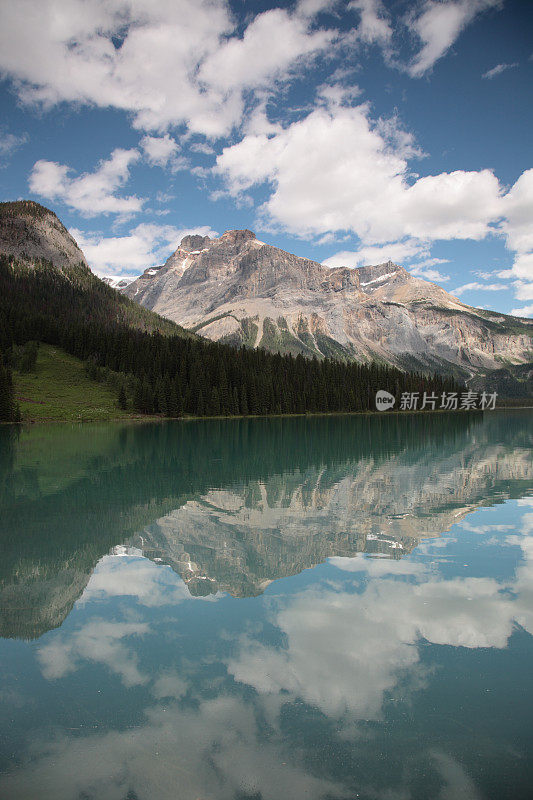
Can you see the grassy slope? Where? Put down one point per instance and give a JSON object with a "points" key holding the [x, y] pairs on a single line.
{"points": [[59, 389]]}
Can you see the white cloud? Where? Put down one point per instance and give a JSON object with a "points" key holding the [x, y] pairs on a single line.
{"points": [[366, 639], [334, 170], [9, 142], [374, 25], [476, 286], [338, 171], [398, 252], [458, 785], [202, 147], [523, 290], [522, 267], [424, 269], [438, 25], [146, 245], [164, 197], [525, 311], [310, 8], [135, 577], [497, 70], [518, 211], [92, 193], [273, 42], [169, 684], [377, 567], [218, 749], [178, 62], [160, 150], [100, 641]]}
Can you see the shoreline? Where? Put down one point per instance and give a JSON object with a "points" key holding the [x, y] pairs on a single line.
{"points": [[159, 418]]}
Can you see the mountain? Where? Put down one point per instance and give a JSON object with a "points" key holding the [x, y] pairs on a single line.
{"points": [[48, 294], [239, 290], [35, 244], [513, 381], [240, 539], [30, 232], [234, 505]]}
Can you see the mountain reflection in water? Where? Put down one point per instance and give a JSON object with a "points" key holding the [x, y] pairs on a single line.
{"points": [[327, 608], [233, 505]]}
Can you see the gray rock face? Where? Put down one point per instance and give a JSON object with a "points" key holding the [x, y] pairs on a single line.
{"points": [[241, 538], [30, 232], [240, 290]]}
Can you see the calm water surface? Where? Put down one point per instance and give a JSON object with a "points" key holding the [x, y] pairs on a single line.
{"points": [[268, 609]]}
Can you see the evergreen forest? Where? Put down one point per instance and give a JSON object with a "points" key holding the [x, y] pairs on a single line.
{"points": [[156, 367]]}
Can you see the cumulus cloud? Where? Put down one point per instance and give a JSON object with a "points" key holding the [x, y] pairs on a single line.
{"points": [[310, 8], [374, 25], [162, 151], [338, 171], [404, 252], [100, 641], [497, 70], [273, 42], [366, 639], [335, 170], [91, 193], [202, 147], [437, 25], [134, 577], [518, 209], [377, 567], [167, 63], [518, 213], [146, 245]]}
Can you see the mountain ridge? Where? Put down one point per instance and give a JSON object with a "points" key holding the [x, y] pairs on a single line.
{"points": [[239, 290], [154, 365]]}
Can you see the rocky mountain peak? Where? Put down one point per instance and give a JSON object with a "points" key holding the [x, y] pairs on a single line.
{"points": [[381, 271], [238, 237], [239, 290], [194, 242], [30, 232]]}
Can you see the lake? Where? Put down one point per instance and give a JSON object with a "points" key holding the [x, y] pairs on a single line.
{"points": [[268, 609]]}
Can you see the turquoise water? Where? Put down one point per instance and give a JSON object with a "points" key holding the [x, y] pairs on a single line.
{"points": [[263, 609]]}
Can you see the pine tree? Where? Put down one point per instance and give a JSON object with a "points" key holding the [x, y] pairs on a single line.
{"points": [[8, 408], [122, 398]]}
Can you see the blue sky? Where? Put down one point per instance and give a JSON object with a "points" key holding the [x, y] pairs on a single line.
{"points": [[349, 132]]}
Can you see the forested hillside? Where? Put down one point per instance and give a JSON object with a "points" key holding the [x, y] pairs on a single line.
{"points": [[168, 371]]}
